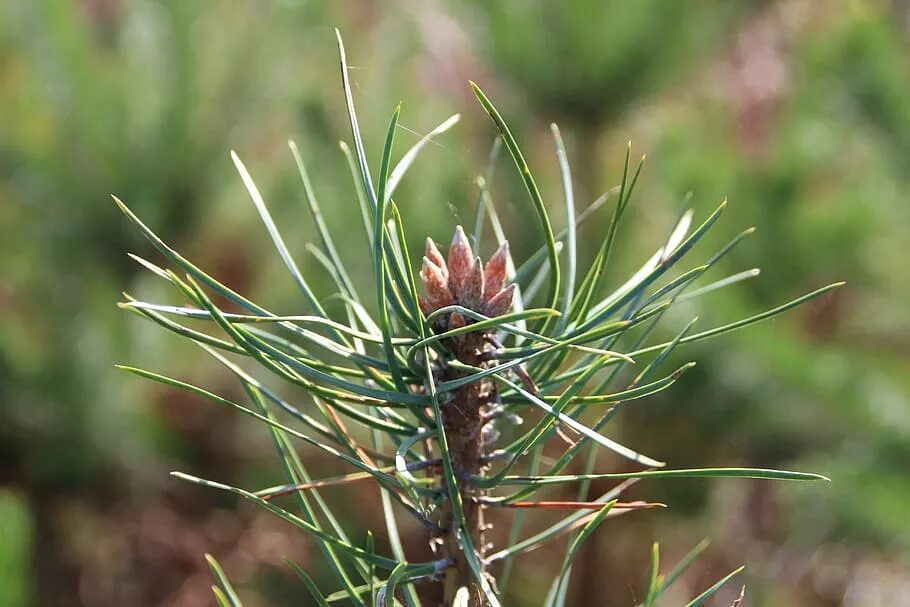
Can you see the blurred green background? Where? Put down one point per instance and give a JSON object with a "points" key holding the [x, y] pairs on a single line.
{"points": [[798, 110]]}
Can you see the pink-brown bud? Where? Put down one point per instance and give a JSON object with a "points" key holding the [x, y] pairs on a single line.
{"points": [[432, 253], [500, 303], [435, 285], [461, 261], [494, 276], [425, 306], [471, 295], [456, 321]]}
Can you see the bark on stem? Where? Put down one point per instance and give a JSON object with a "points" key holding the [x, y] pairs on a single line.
{"points": [[463, 418]]}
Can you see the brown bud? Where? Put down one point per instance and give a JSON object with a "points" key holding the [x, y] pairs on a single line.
{"points": [[494, 276], [432, 253], [425, 306], [471, 295], [461, 261], [500, 303], [456, 321], [435, 285]]}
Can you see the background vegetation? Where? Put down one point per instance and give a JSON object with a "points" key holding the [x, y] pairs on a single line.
{"points": [[797, 110]]}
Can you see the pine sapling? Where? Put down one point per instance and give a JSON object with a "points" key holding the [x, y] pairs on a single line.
{"points": [[445, 390]]}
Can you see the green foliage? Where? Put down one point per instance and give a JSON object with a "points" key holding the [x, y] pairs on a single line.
{"points": [[16, 549], [594, 62]]}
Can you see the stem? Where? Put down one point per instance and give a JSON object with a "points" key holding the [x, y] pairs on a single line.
{"points": [[464, 417]]}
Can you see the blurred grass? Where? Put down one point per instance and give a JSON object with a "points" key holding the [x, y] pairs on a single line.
{"points": [[795, 110], [15, 550]]}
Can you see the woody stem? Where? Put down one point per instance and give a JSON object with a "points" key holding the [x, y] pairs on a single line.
{"points": [[463, 419]]}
